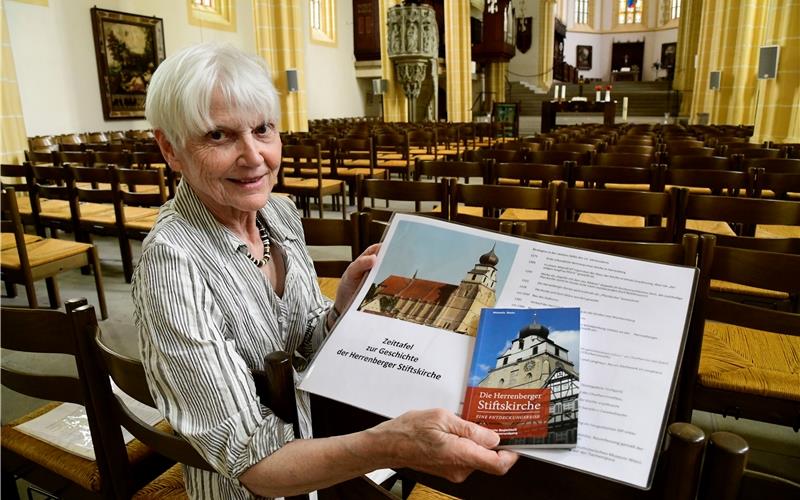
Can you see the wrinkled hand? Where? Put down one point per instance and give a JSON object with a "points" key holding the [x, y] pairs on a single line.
{"points": [[353, 274], [440, 443]]}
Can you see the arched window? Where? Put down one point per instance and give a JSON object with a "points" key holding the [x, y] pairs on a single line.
{"points": [[630, 11], [215, 14], [322, 20], [581, 11]]}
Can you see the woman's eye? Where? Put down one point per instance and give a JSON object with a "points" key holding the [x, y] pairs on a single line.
{"points": [[262, 129], [216, 135]]}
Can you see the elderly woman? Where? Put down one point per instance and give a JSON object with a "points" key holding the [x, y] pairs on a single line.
{"points": [[224, 278]]}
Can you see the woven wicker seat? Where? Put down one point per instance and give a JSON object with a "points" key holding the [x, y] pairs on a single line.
{"points": [[741, 359]]}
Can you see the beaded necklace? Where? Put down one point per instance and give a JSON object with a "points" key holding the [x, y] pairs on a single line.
{"points": [[262, 232]]}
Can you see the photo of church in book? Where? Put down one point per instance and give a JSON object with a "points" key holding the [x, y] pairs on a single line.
{"points": [[534, 361], [455, 307]]}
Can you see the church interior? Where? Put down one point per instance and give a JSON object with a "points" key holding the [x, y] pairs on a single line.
{"points": [[664, 130]]}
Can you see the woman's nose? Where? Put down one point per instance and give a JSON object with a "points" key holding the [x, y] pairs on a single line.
{"points": [[249, 153]]}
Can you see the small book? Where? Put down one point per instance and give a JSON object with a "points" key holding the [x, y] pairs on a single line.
{"points": [[523, 380]]}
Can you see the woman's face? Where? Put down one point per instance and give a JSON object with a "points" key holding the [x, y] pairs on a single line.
{"points": [[234, 166]]}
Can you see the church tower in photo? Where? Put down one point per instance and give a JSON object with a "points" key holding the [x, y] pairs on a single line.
{"points": [[476, 291], [442, 305]]}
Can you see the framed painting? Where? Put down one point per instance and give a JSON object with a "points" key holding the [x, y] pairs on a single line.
{"points": [[583, 59], [129, 48], [668, 51]]}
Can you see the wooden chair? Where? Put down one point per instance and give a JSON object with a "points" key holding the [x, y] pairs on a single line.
{"points": [[28, 258], [42, 157], [587, 150], [52, 194], [751, 218], [355, 157], [391, 152], [624, 160], [332, 235], [45, 465], [536, 207], [422, 144], [139, 194], [710, 181], [297, 157], [101, 364], [749, 359], [412, 193], [617, 214], [683, 143], [99, 210], [725, 475], [701, 162]]}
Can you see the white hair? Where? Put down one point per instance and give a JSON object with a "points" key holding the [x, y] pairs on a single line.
{"points": [[181, 89]]}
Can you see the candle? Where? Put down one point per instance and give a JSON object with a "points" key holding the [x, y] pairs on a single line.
{"points": [[608, 96], [563, 91], [624, 109], [597, 96]]}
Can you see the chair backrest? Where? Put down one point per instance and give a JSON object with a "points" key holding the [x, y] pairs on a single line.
{"points": [[130, 181], [22, 174], [652, 207], [122, 159], [355, 149], [632, 149], [554, 156], [493, 198], [404, 191], [101, 364], [84, 158], [526, 172], [333, 232], [730, 182], [648, 177], [624, 160], [454, 169], [747, 213], [301, 156], [42, 157], [700, 162]]}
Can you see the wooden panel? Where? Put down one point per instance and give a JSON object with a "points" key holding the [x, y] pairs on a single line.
{"points": [[496, 44]]}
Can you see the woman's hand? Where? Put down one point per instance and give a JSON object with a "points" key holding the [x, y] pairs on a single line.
{"points": [[353, 275], [440, 443]]}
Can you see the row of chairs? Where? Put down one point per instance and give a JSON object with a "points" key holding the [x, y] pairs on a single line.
{"points": [[56, 142], [110, 201], [689, 463], [559, 208]]}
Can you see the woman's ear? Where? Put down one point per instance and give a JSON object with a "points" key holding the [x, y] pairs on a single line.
{"points": [[168, 150]]}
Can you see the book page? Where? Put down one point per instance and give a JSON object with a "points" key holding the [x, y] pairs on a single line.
{"points": [[633, 316], [406, 340], [67, 427]]}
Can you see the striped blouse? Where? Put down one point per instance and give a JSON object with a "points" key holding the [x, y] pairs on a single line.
{"points": [[206, 316]]}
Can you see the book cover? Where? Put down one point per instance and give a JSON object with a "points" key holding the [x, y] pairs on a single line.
{"points": [[523, 381]]}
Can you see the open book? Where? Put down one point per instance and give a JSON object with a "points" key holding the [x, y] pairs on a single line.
{"points": [[406, 341]]}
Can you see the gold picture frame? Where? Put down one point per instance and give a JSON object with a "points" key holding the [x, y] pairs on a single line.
{"points": [[129, 48]]}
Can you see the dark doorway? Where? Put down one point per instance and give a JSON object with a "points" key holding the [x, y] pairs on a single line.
{"points": [[628, 55]]}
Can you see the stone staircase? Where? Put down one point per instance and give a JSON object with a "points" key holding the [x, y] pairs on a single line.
{"points": [[644, 98]]}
